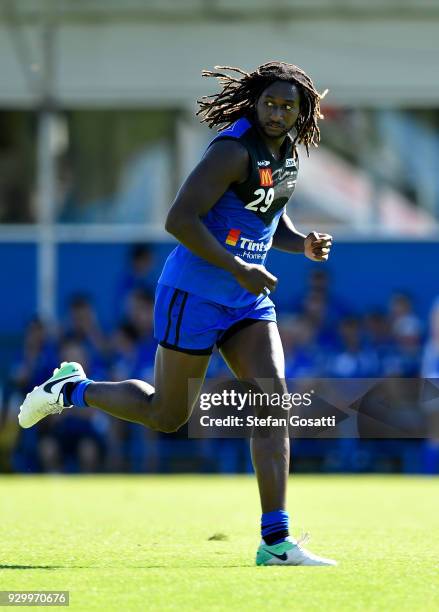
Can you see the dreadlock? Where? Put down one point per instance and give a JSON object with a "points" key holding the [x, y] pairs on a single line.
{"points": [[240, 94]]}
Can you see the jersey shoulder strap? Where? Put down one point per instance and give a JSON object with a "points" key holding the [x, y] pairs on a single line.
{"points": [[234, 131]]}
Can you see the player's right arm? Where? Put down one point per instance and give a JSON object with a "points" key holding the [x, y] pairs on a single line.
{"points": [[224, 163]]}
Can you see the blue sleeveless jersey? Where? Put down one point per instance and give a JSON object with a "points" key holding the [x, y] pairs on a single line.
{"points": [[243, 220]]}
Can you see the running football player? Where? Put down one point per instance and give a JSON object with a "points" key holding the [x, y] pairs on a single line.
{"points": [[214, 286]]}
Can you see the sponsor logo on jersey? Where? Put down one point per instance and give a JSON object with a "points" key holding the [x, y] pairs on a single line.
{"points": [[232, 237], [253, 249], [282, 174], [289, 163], [263, 163], [266, 177], [254, 245]]}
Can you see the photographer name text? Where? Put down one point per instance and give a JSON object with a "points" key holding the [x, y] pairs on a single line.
{"points": [[269, 421]]}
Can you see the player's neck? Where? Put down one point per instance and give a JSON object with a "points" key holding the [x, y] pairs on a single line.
{"points": [[274, 145]]}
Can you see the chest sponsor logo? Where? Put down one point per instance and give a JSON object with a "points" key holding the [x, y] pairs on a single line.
{"points": [[266, 178], [232, 237], [289, 163], [282, 174], [264, 163], [254, 245], [253, 249]]}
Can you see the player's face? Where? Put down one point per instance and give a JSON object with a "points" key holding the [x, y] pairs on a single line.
{"points": [[277, 109]]}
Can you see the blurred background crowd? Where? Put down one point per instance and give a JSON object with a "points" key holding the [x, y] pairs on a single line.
{"points": [[322, 338]]}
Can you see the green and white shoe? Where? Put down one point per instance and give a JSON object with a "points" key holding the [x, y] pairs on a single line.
{"points": [[48, 397], [289, 552]]}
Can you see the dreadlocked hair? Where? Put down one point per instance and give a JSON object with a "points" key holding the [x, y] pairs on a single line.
{"points": [[239, 95]]}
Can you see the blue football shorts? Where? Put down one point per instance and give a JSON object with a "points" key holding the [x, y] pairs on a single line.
{"points": [[188, 323]]}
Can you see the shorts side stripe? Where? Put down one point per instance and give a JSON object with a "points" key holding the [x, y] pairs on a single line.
{"points": [[171, 304], [180, 316]]}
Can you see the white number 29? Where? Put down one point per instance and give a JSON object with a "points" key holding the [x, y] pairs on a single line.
{"points": [[262, 196]]}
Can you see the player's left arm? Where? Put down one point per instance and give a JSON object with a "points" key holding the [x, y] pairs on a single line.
{"points": [[315, 246]]}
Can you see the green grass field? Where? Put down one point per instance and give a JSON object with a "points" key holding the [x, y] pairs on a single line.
{"points": [[142, 543]]}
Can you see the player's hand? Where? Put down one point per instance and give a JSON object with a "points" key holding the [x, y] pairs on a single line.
{"points": [[318, 246], [254, 277]]}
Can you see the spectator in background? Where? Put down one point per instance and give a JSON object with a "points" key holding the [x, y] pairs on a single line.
{"points": [[140, 318], [83, 326], [126, 439], [404, 361], [134, 448], [353, 359], [137, 277], [319, 281], [32, 363], [319, 302], [324, 316], [401, 312], [315, 310], [303, 356], [378, 336], [125, 353]]}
